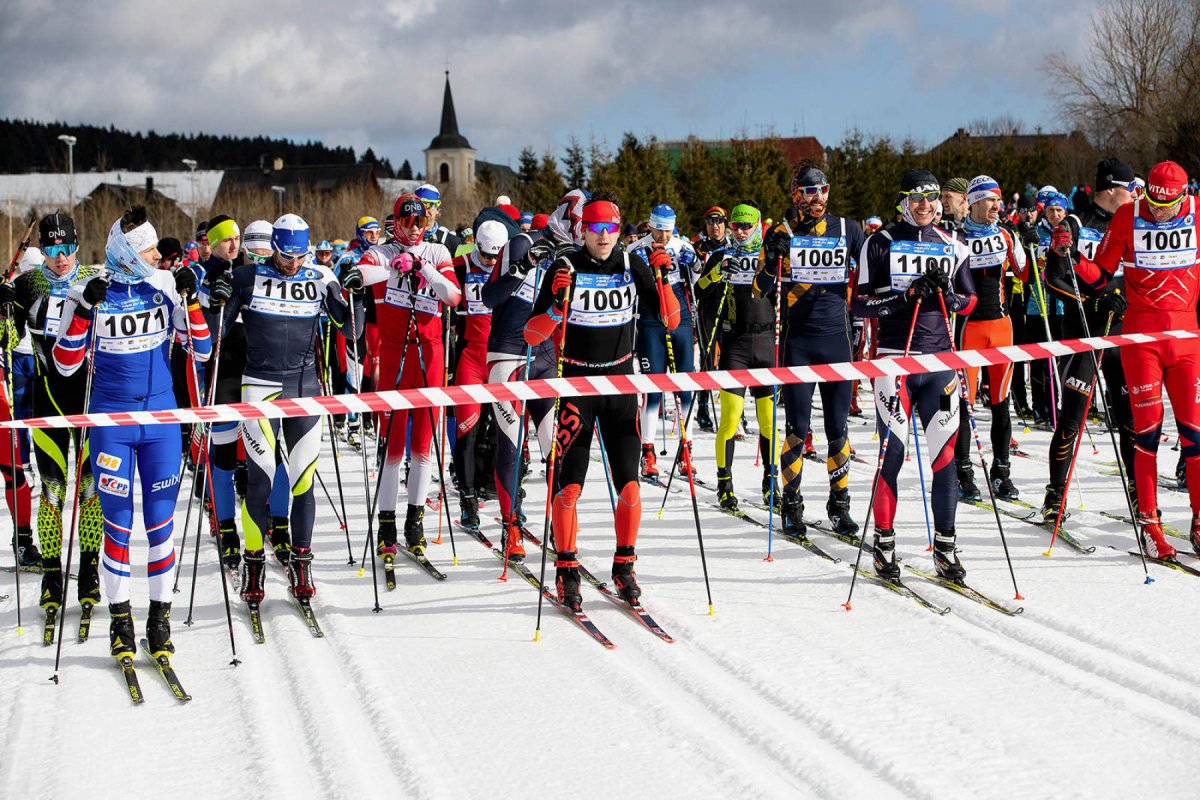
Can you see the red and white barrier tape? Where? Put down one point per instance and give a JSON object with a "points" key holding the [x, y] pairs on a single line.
{"points": [[406, 399]]}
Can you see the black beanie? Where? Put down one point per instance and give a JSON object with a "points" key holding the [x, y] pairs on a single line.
{"points": [[1112, 172], [169, 248], [57, 228]]}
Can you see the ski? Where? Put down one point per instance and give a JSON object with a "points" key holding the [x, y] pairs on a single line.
{"points": [[132, 684], [965, 591], [424, 563], [49, 626], [824, 527], [310, 618], [578, 617], [635, 610], [256, 626], [660, 483], [808, 544], [1169, 562], [1169, 530], [85, 622], [389, 571], [528, 536], [163, 662], [475, 533], [904, 590], [1032, 517]]}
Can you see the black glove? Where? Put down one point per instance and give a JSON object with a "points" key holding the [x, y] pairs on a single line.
{"points": [[921, 289], [539, 251], [185, 282], [778, 247], [94, 291], [564, 250], [938, 277], [352, 279], [1112, 303], [220, 288], [7, 294]]}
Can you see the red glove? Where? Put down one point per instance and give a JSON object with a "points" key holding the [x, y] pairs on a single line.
{"points": [[562, 280], [1060, 240], [660, 260]]}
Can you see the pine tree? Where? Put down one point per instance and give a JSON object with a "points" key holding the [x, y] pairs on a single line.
{"points": [[698, 176], [575, 164]]}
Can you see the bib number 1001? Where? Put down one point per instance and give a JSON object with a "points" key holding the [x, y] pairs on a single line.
{"points": [[604, 299]]}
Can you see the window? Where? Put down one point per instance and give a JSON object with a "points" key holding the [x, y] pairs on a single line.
{"points": [[444, 172]]}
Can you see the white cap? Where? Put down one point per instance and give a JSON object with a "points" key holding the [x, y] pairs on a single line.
{"points": [[31, 259], [257, 235], [491, 237], [503, 200]]}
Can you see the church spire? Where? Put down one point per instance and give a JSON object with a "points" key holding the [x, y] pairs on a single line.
{"points": [[448, 137]]}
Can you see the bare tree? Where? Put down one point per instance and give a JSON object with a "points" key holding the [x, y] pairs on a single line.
{"points": [[1130, 92], [1004, 125]]}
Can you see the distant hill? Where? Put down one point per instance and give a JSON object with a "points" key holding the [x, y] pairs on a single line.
{"points": [[27, 146]]}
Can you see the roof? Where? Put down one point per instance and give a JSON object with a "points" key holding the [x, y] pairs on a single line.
{"points": [[1021, 142], [448, 137], [321, 177], [795, 148]]}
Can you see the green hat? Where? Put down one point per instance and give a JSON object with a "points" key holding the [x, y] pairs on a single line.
{"points": [[959, 185], [745, 213]]}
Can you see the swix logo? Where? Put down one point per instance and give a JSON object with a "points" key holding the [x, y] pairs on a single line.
{"points": [[1078, 385], [158, 486], [1196, 388], [106, 461], [115, 485]]}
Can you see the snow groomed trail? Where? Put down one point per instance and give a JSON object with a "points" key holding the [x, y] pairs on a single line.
{"points": [[781, 694]]}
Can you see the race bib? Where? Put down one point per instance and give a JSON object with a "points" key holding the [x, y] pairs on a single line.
{"points": [[910, 259], [1089, 240], [403, 298], [818, 259], [988, 251], [54, 307], [474, 294], [740, 268], [527, 291], [602, 301], [298, 296], [132, 331], [1171, 245]]}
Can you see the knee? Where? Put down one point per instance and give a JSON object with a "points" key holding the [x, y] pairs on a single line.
{"points": [[568, 496]]}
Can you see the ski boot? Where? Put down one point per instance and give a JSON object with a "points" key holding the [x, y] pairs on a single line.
{"points": [[387, 535], [254, 574], [649, 468], [414, 530], [281, 539], [300, 572], [1051, 504], [837, 508], [771, 488], [1154, 541], [511, 543], [89, 578], [945, 559], [623, 575], [231, 546], [704, 419], [1195, 534], [725, 494], [158, 629], [855, 408], [1002, 485], [884, 554], [967, 490], [686, 465], [352, 438], [809, 450], [28, 557], [742, 430], [122, 640], [52, 583], [566, 580], [469, 506], [792, 514]]}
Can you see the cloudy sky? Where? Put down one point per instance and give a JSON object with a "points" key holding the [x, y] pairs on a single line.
{"points": [[530, 72]]}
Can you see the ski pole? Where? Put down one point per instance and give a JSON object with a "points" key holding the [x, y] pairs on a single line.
{"points": [[324, 378], [9, 330], [608, 481], [447, 359], [362, 433], [924, 496], [1039, 295], [438, 453], [332, 506], [772, 465], [893, 401]]}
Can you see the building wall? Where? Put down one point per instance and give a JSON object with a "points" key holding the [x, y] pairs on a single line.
{"points": [[458, 163]]}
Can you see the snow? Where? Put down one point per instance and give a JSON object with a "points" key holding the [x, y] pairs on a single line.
{"points": [[782, 693], [43, 191]]}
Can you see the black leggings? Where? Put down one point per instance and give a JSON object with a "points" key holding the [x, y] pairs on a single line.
{"points": [[797, 404], [1078, 375]]}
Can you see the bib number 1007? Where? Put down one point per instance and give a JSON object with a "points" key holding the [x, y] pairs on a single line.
{"points": [[910, 259]]}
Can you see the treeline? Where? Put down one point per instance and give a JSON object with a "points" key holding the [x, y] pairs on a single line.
{"points": [[28, 146]]}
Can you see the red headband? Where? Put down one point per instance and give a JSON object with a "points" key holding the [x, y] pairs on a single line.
{"points": [[601, 211]]}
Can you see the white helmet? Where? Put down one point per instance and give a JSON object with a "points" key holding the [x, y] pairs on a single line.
{"points": [[491, 238]]}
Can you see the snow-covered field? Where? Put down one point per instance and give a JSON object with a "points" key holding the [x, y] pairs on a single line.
{"points": [[1090, 693]]}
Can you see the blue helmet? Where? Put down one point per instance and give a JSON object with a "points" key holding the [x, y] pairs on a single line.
{"points": [[324, 246], [662, 218], [428, 193], [289, 236]]}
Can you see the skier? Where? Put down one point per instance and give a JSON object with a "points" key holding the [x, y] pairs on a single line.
{"points": [[713, 239], [280, 303], [134, 308], [1156, 242], [747, 341], [815, 252], [653, 347], [604, 285], [39, 296], [406, 274], [994, 254], [431, 198], [903, 268]]}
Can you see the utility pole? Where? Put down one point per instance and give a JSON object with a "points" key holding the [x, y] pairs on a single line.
{"points": [[69, 141]]}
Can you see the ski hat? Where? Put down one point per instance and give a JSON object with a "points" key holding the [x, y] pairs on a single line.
{"points": [[202, 232], [289, 236], [409, 207], [1026, 203], [491, 238], [1166, 184], [222, 228], [503, 200], [428, 193], [123, 250], [1055, 199], [169, 247], [876, 221], [510, 209], [324, 246], [662, 218], [30, 259], [539, 221], [526, 218], [716, 211], [956, 185], [257, 236], [981, 188], [1045, 192], [806, 175], [57, 228], [566, 223], [1113, 172], [919, 180], [601, 211], [744, 212]]}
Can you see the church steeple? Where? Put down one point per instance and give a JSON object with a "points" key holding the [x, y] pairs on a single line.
{"points": [[448, 137]]}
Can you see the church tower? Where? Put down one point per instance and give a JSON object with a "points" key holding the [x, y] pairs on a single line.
{"points": [[450, 159]]}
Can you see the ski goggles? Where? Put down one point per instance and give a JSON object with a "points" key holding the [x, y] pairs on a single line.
{"points": [[604, 227], [931, 196], [743, 226], [58, 250], [409, 222], [814, 191], [1165, 203]]}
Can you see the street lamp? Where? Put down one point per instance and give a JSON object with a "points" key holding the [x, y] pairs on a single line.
{"points": [[280, 191], [69, 141], [190, 163]]}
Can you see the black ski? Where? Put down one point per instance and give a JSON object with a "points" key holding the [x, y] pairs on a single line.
{"points": [[1169, 562], [824, 527], [256, 626], [528, 536], [1169, 530], [1033, 517], [662, 484], [389, 571], [965, 591], [125, 662], [424, 563], [578, 617], [163, 662], [310, 618], [903, 590], [808, 544], [49, 625], [85, 622]]}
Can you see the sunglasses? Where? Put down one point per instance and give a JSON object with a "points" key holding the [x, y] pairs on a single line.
{"points": [[716, 220], [743, 226], [56, 250], [604, 227], [928, 197], [813, 191], [409, 222]]}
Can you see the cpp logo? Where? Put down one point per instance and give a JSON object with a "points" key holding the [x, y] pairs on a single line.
{"points": [[115, 485]]}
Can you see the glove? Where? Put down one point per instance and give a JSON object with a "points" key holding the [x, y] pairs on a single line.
{"points": [[564, 250], [185, 282], [7, 293], [920, 290], [94, 291], [938, 277], [1112, 303], [220, 288], [538, 252], [1029, 235], [405, 263], [778, 247], [561, 281], [660, 261], [1060, 240], [352, 279]]}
